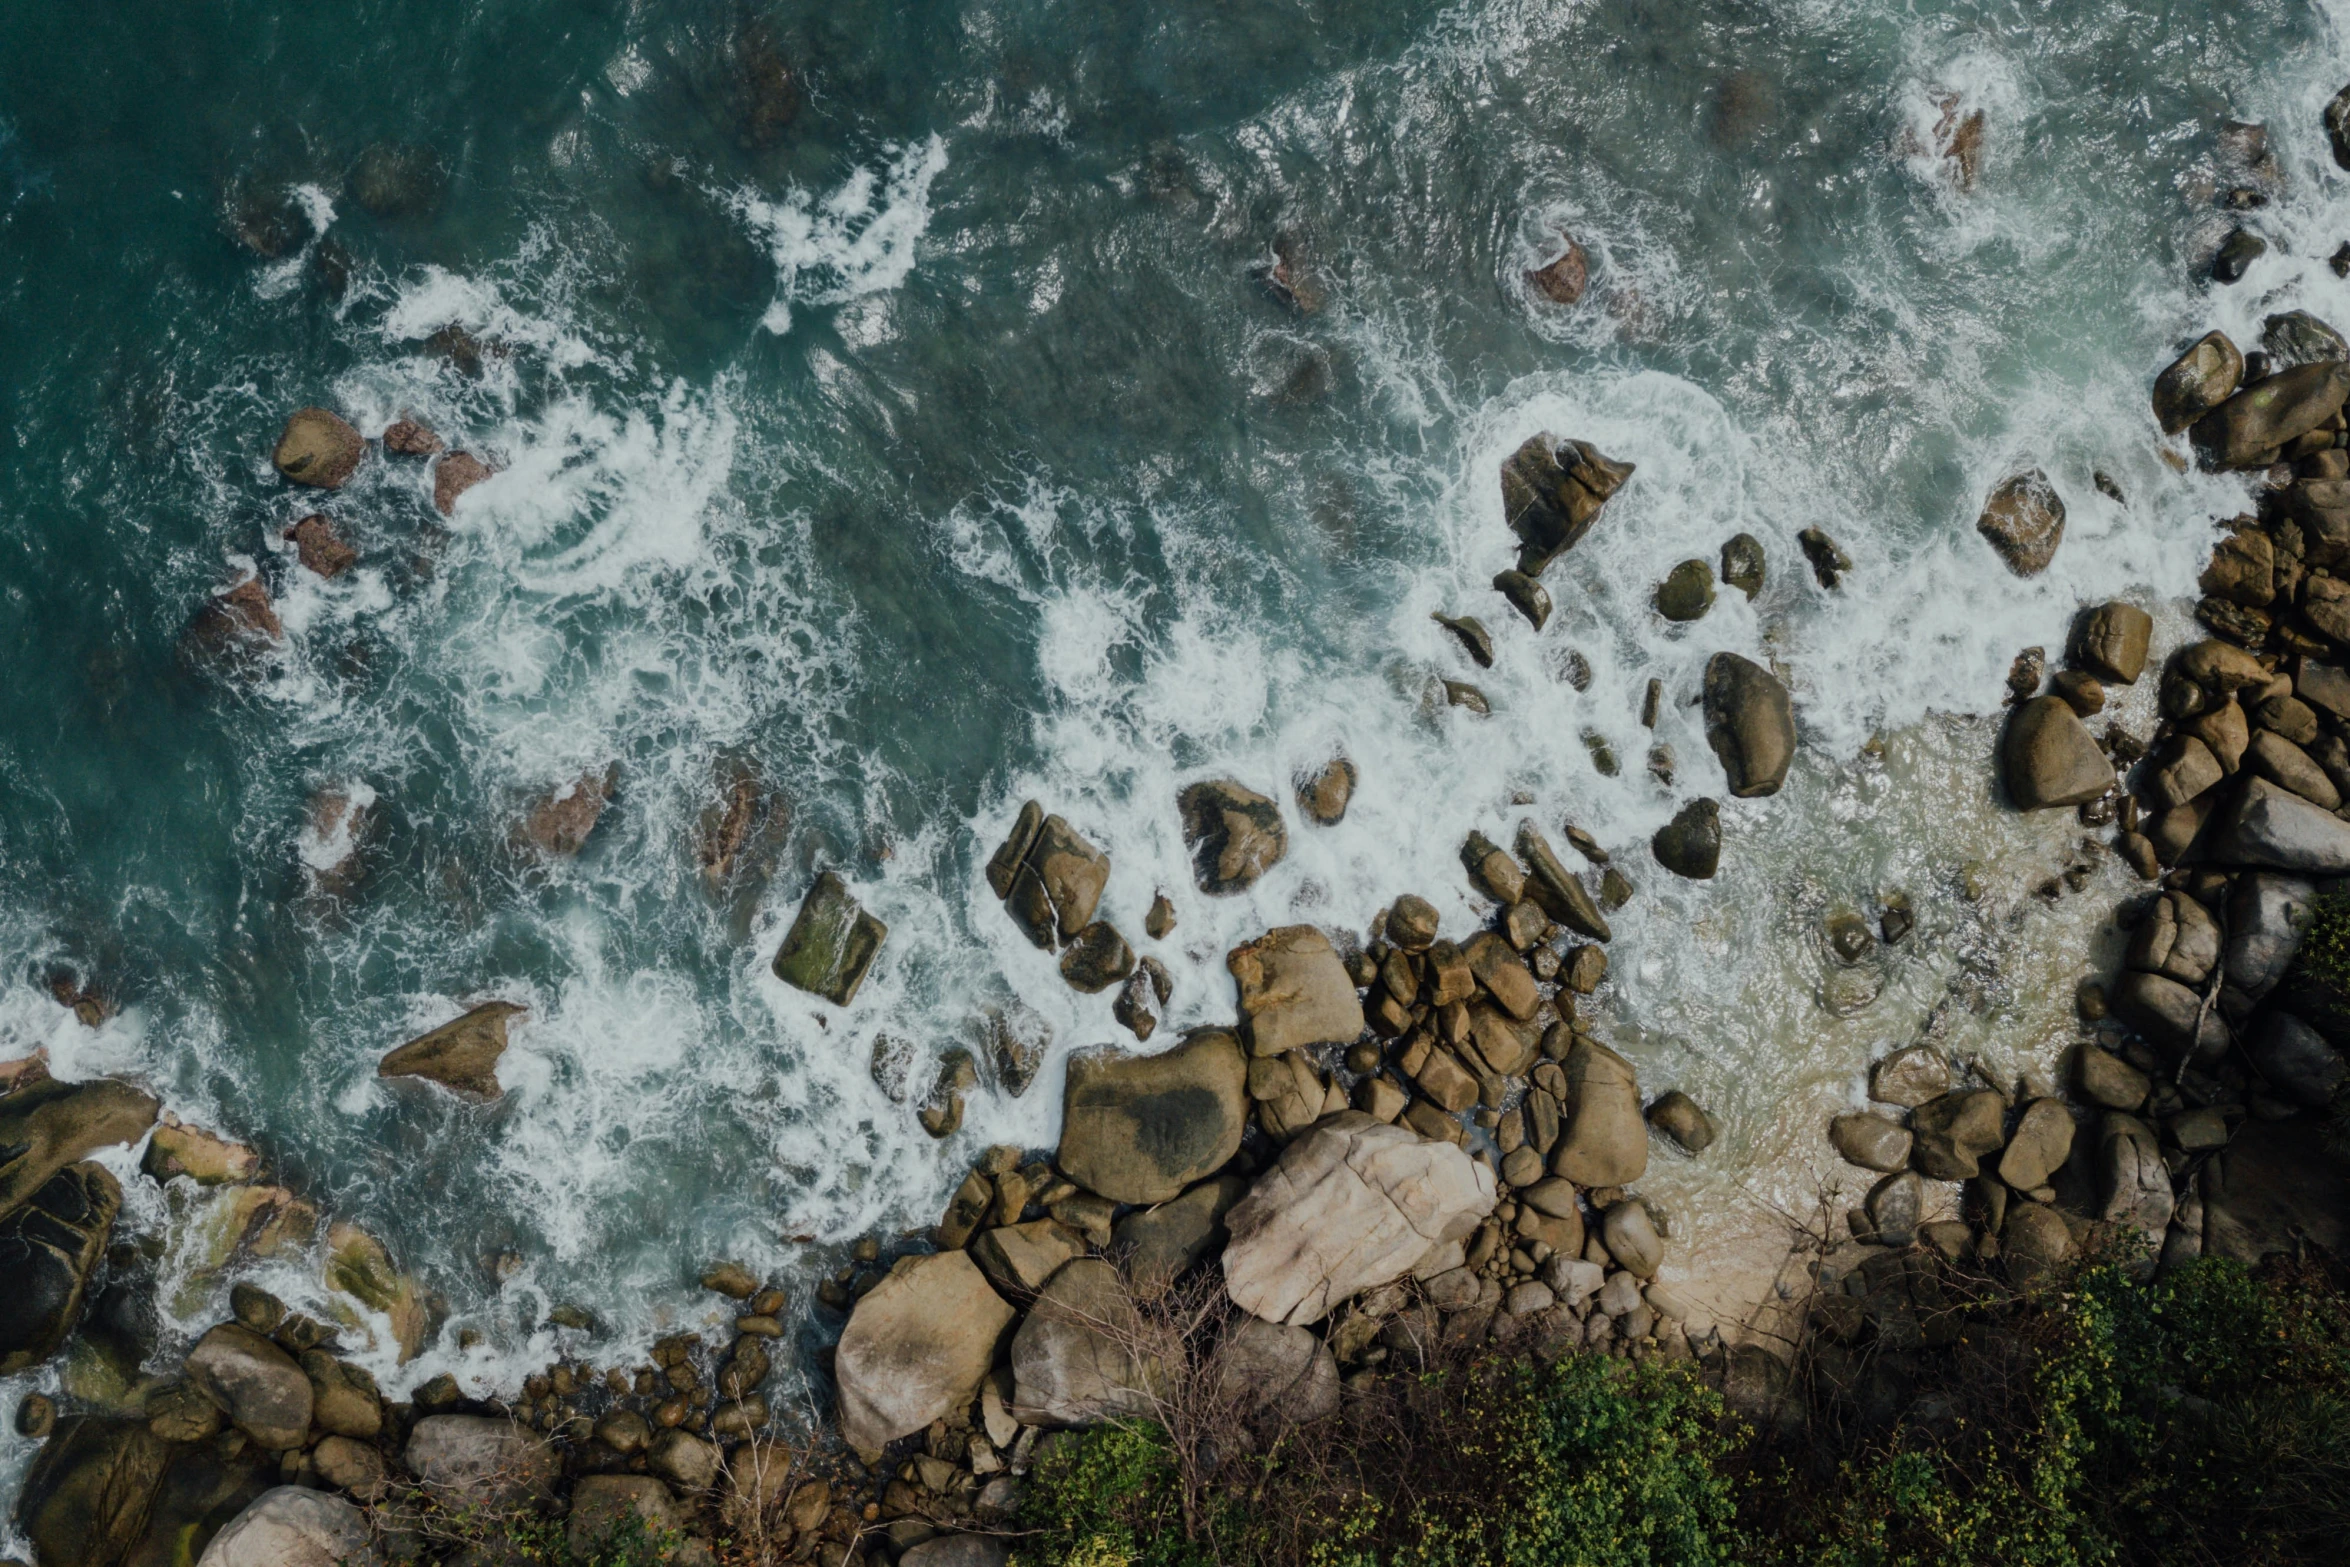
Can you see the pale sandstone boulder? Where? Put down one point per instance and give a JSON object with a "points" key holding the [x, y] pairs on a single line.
{"points": [[294, 1527], [480, 1461], [1604, 1139], [916, 1347], [1075, 1360], [1294, 991]]}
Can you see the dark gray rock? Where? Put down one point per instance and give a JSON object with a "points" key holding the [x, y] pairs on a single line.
{"points": [[2165, 1012], [48, 1248], [1750, 723], [1691, 843], [2267, 912], [2273, 828], [2296, 1060]]}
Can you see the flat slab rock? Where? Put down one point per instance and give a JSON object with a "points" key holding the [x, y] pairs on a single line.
{"points": [[1351, 1204], [831, 944]]}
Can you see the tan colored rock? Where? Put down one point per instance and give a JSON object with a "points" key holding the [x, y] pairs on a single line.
{"points": [[357, 1265], [1325, 793], [461, 1055], [916, 1348], [255, 1383], [177, 1149], [1604, 1141], [452, 476], [1142, 1128], [318, 448], [2111, 641], [2049, 759], [1294, 991], [2042, 1140], [2024, 522], [1074, 1359]]}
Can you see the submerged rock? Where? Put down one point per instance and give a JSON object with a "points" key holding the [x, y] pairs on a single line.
{"points": [[234, 625], [1690, 844], [1235, 835], [397, 180], [461, 1055], [318, 448], [47, 1125], [1049, 877], [1750, 723], [48, 1249], [452, 476], [558, 823], [2024, 522], [1562, 279], [831, 944], [1141, 1129]]}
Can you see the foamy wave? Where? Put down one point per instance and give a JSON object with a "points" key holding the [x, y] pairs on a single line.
{"points": [[859, 240]]}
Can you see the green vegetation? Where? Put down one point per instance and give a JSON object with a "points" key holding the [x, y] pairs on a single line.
{"points": [[2199, 1418]]}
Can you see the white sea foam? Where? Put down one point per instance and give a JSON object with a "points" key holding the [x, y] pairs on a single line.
{"points": [[858, 240]]}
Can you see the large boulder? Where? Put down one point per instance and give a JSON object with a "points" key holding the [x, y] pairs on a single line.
{"points": [[204, 1489], [2275, 1189], [87, 1496], [1277, 1369], [1160, 1244], [2035, 1243], [2042, 1140], [1294, 991], [1950, 1136], [2172, 1016], [2177, 939], [2024, 522], [2295, 1060], [359, 1265], [1019, 1258], [318, 448], [604, 1506], [831, 943], [461, 1055], [2132, 1181], [1234, 834], [2049, 758], [256, 1384], [1603, 1138], [1049, 877], [2110, 641], [1690, 845], [2198, 381], [1141, 1128], [1551, 493], [48, 1248], [1871, 1141], [1750, 723], [478, 1461], [48, 1125], [295, 1527], [1351, 1204], [2276, 829], [1077, 1359], [2246, 430], [2266, 914], [916, 1348]]}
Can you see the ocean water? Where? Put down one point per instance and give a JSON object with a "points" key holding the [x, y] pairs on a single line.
{"points": [[887, 399]]}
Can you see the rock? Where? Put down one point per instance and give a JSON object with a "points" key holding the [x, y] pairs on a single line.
{"points": [[48, 1125], [49, 1245], [2279, 760], [1459, 693], [1951, 1135], [1097, 958], [1681, 1118], [1412, 923], [2236, 254], [2049, 759], [2081, 691], [1050, 878], [1551, 493], [2266, 915], [177, 1150], [1141, 1129], [479, 1461], [2337, 124], [1894, 1206], [1160, 1244], [603, 1504], [2165, 1011], [2177, 939], [2024, 522], [357, 1265], [1556, 890], [2133, 1181], [461, 1055], [2042, 1140], [684, 1460], [2247, 429], [294, 1527], [1350, 1205], [1828, 562], [2186, 770], [2198, 381], [2104, 1078], [36, 1415], [318, 449], [1294, 991], [1602, 1140], [397, 180], [2035, 1243], [452, 476], [1742, 563], [1910, 1077], [1234, 834], [2111, 641], [1526, 596], [1870, 1141], [831, 944], [916, 1347], [1019, 1258], [1074, 1360], [2296, 1061], [255, 1383], [407, 438], [2274, 1189], [1324, 795], [1563, 279], [2296, 337], [1687, 591], [1161, 918], [1502, 975], [1630, 1237], [1690, 844], [1472, 636], [344, 1400], [86, 1498], [1750, 724], [2274, 828], [320, 547]]}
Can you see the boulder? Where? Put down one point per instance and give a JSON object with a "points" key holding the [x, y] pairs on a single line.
{"points": [[1276, 1369], [1870, 1141], [916, 1348], [255, 1383], [2133, 1182], [407, 438], [344, 1400], [318, 448], [1557, 891], [177, 1149], [2042, 1141], [1829, 563], [1294, 991], [48, 1249], [1563, 279], [2273, 828], [452, 476], [1351, 1204], [2111, 641], [1750, 723], [320, 546], [47, 1125], [1687, 591], [1690, 845], [831, 944], [2185, 770], [1019, 1258], [2024, 522], [358, 1265], [2280, 761], [1742, 563], [204, 1490], [2337, 124], [1603, 1141], [1140, 1129], [2198, 381], [1527, 596], [2165, 1011], [2246, 430], [1950, 1136], [295, 1527], [1076, 1360], [2035, 1243], [1049, 877], [2266, 914], [958, 1550], [2295, 337], [1234, 834], [1909, 1077], [2048, 757], [2295, 1060], [1097, 958], [683, 1459], [1160, 1244], [2106, 1080], [1682, 1119], [1894, 1205], [603, 1504], [2177, 939], [1630, 1237], [87, 1497], [353, 1466], [1325, 793], [1551, 493], [461, 1055], [479, 1461]]}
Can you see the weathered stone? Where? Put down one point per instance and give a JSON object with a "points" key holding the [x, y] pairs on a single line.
{"points": [[295, 1527], [1096, 958], [1742, 563], [1558, 891], [1894, 1206], [1294, 991], [2279, 760], [1687, 591], [1909, 1077], [2042, 1140], [358, 1265], [47, 1125], [407, 438], [2165, 1011], [2274, 828], [2242, 569], [1471, 634], [2133, 1181], [1551, 493], [318, 448], [603, 1505], [2111, 640], [2246, 429], [2024, 522], [1828, 561], [2198, 381], [684, 1460], [87, 1496], [320, 546], [452, 476], [2035, 1244], [461, 1055], [177, 1150], [831, 944], [1563, 279], [1019, 1258], [2177, 939], [1073, 1359], [1750, 723], [2266, 915], [916, 1347], [2049, 759], [1682, 1119], [1057, 885], [1870, 1141], [1235, 835], [1162, 1243], [344, 1400], [2295, 337], [1140, 1129], [1630, 1237], [1604, 1141], [2296, 1061], [255, 1383], [1951, 1135], [2186, 769], [1350, 1205], [478, 1461], [1489, 866], [48, 1247], [2105, 1079], [1526, 595], [1325, 793], [1690, 845]]}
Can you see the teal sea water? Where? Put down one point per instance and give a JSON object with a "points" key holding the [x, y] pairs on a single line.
{"points": [[890, 398]]}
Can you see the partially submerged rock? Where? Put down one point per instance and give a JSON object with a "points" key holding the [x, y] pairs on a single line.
{"points": [[1049, 877], [2198, 381], [2024, 522], [558, 822], [452, 476], [1325, 793], [1564, 277], [1750, 723], [916, 1348], [320, 545], [48, 1125], [177, 1149], [831, 944], [1551, 493], [1603, 1141], [461, 1055], [1690, 845], [2246, 430], [318, 448], [1235, 835], [1140, 1129]]}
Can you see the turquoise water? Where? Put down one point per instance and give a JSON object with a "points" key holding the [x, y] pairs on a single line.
{"points": [[922, 432]]}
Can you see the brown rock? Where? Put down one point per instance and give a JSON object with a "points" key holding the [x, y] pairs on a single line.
{"points": [[1294, 991], [318, 448], [1325, 794], [1563, 279], [2111, 639], [2024, 521], [320, 547], [1235, 835], [461, 1055], [452, 476], [558, 823], [407, 438]]}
